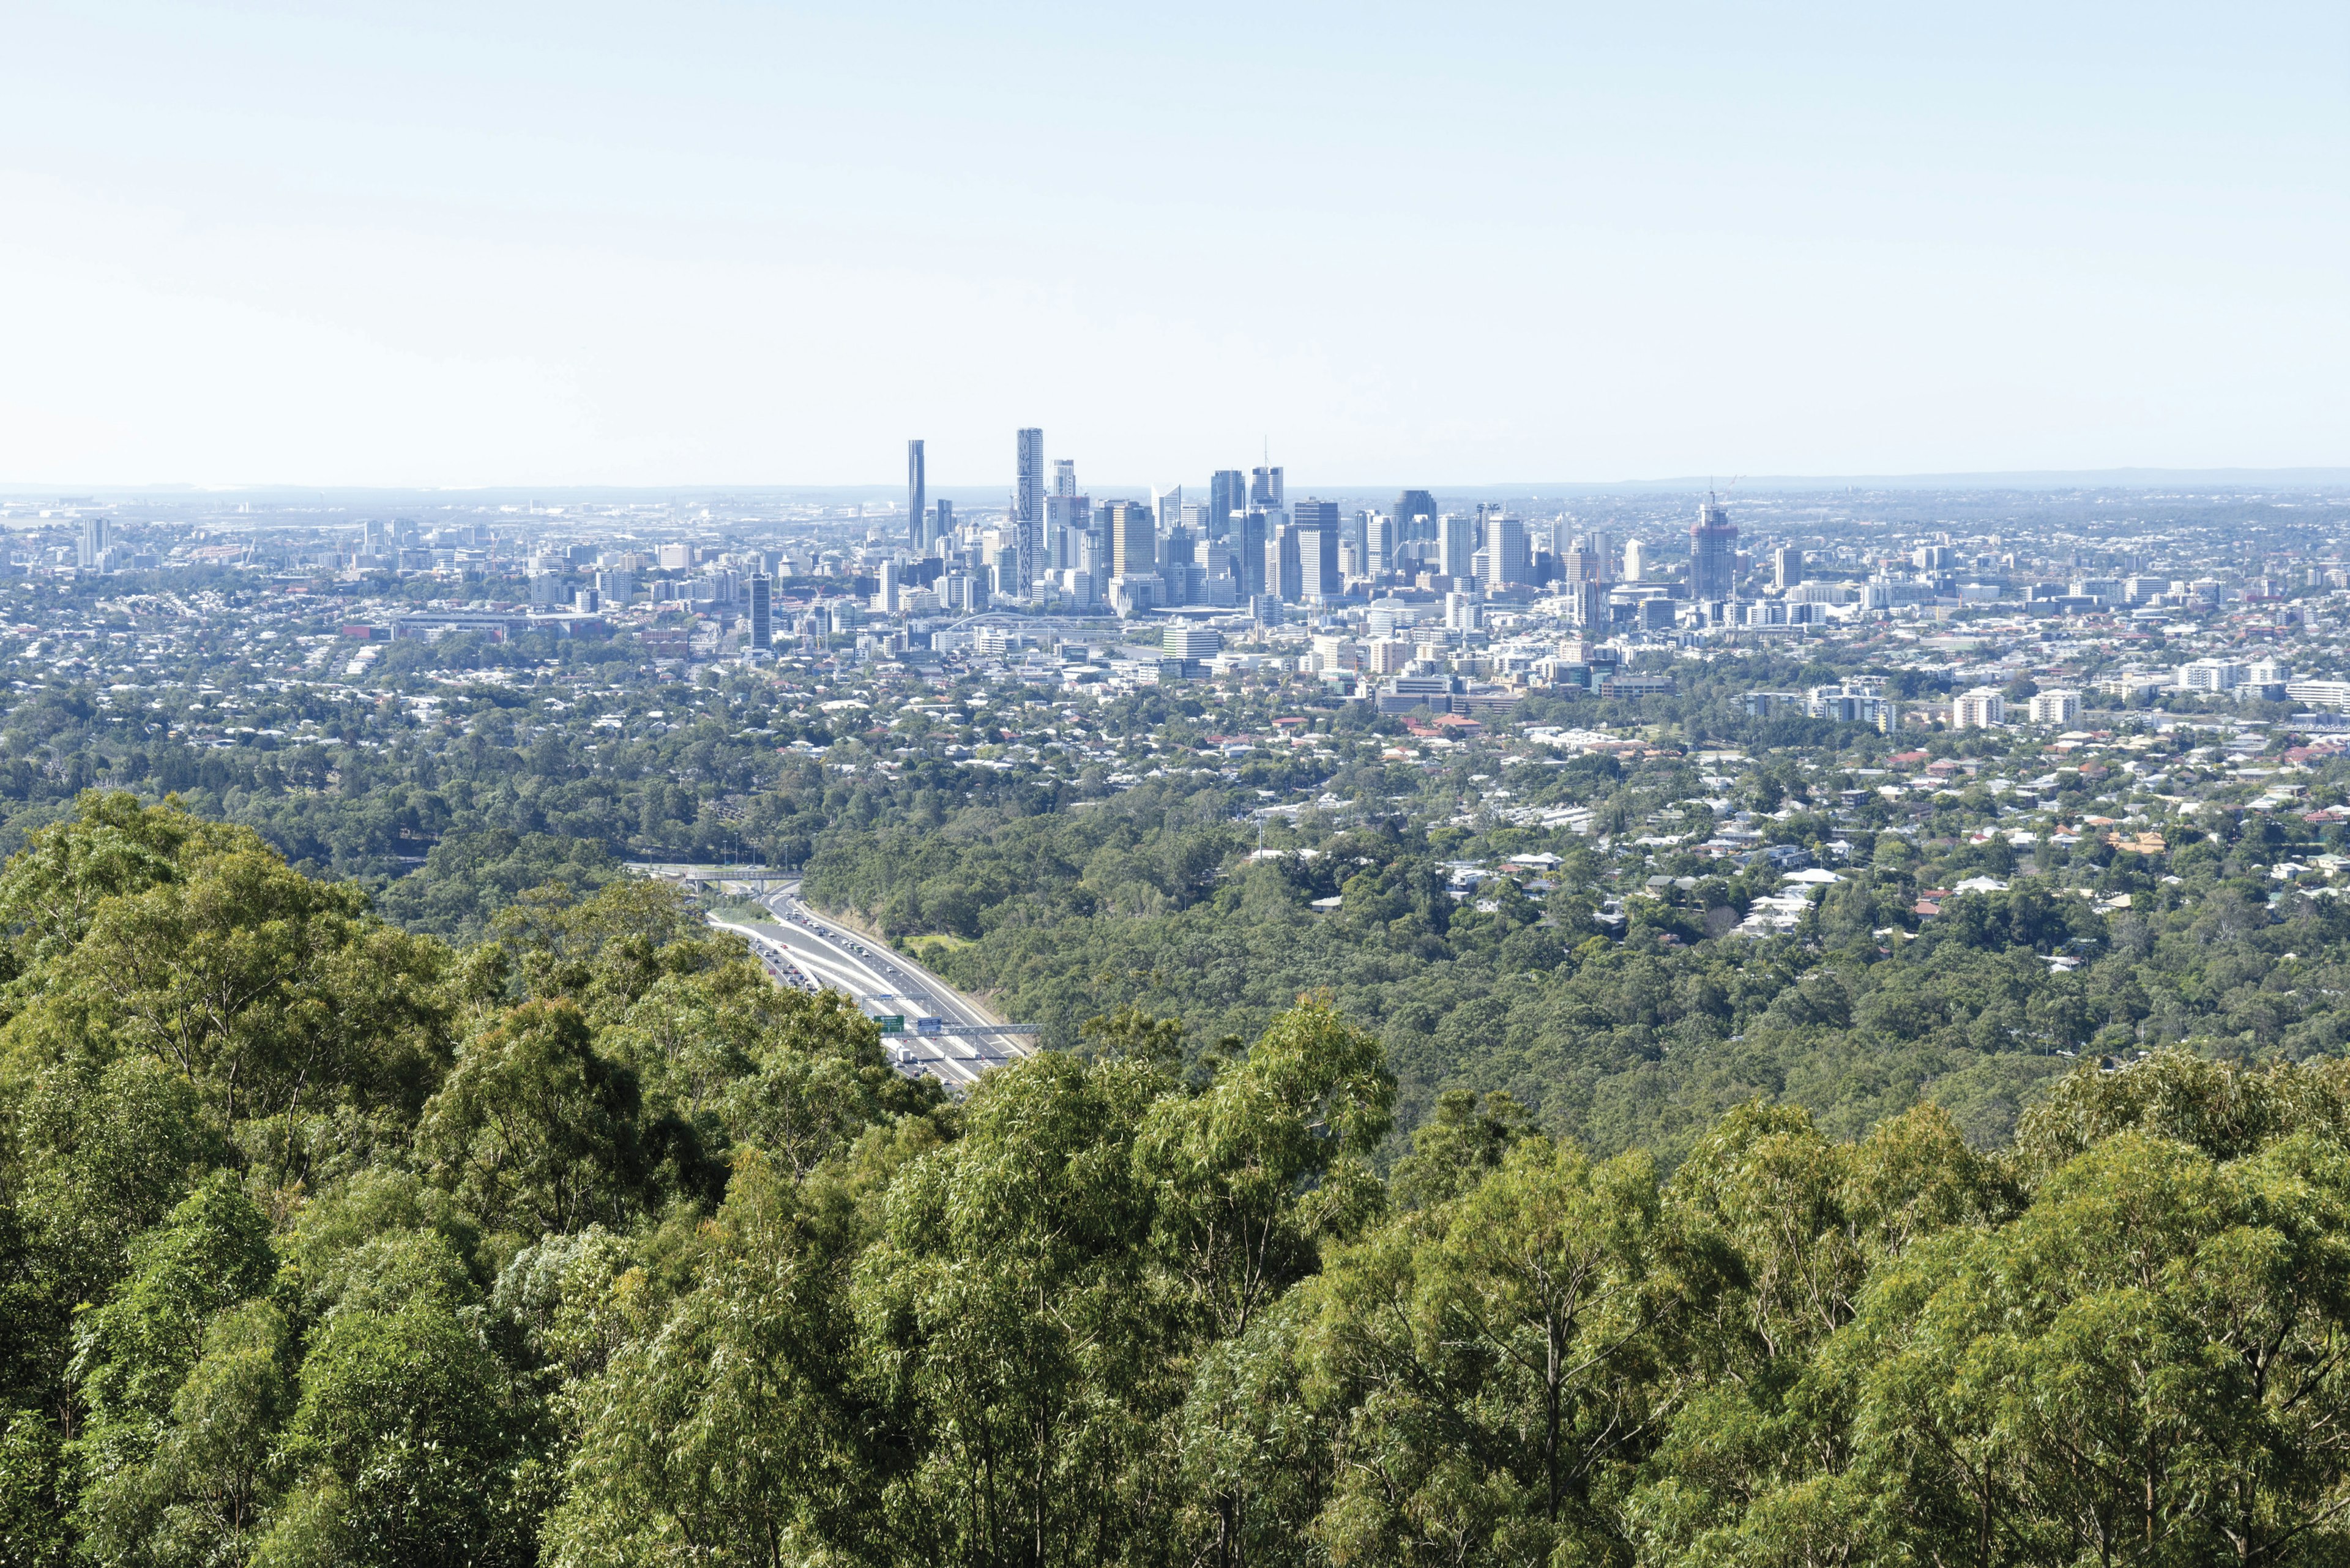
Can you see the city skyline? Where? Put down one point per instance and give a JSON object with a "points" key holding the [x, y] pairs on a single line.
{"points": [[989, 493]]}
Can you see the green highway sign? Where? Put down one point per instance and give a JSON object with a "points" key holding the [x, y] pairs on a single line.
{"points": [[892, 1023]]}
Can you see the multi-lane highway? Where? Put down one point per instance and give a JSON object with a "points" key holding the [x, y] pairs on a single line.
{"points": [[806, 947]]}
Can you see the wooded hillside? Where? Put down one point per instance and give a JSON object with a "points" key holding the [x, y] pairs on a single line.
{"points": [[321, 1242]]}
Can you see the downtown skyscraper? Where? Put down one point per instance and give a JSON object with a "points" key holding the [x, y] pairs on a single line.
{"points": [[762, 602], [1508, 558], [1713, 553], [1133, 538], [1227, 495], [918, 505], [1415, 515], [1028, 504], [1315, 525], [1456, 544]]}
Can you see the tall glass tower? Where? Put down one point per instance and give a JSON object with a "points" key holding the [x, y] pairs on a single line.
{"points": [[1227, 493], [1133, 539], [918, 503], [762, 626], [1713, 552]]}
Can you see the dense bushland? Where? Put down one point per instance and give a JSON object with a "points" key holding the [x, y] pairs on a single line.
{"points": [[322, 1242]]}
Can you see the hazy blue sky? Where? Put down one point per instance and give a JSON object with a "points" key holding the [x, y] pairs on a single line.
{"points": [[688, 243]]}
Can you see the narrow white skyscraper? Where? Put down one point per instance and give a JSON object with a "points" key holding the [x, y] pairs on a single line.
{"points": [[1456, 544]]}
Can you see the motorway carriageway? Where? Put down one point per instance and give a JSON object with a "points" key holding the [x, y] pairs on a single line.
{"points": [[882, 983]]}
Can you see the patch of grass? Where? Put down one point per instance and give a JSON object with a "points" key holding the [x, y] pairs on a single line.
{"points": [[741, 911], [924, 947]]}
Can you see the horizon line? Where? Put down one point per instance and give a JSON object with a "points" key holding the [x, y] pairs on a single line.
{"points": [[2310, 475]]}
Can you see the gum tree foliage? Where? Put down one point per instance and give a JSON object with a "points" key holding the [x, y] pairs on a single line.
{"points": [[585, 1245]]}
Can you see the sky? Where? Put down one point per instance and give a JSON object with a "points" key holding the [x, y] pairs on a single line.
{"points": [[698, 243]]}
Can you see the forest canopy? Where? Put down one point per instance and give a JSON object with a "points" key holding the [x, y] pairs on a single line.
{"points": [[1630, 1029], [325, 1243]]}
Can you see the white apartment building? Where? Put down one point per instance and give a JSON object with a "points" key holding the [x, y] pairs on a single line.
{"points": [[2319, 693], [1335, 652], [2128, 683], [1979, 708], [2211, 675], [2057, 708], [1854, 703], [1182, 641]]}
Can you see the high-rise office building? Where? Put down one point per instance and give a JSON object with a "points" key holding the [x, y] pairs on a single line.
{"points": [[1227, 493], [1507, 559], [917, 500], [1456, 541], [1713, 553], [1168, 506], [1285, 574], [1181, 567], [1249, 556], [1379, 545], [1635, 560], [1264, 488], [1318, 576], [1787, 566], [942, 524], [763, 624], [1315, 515], [1068, 520], [1415, 515], [1602, 544], [1133, 539], [1587, 603], [1316, 524], [1065, 477]]}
